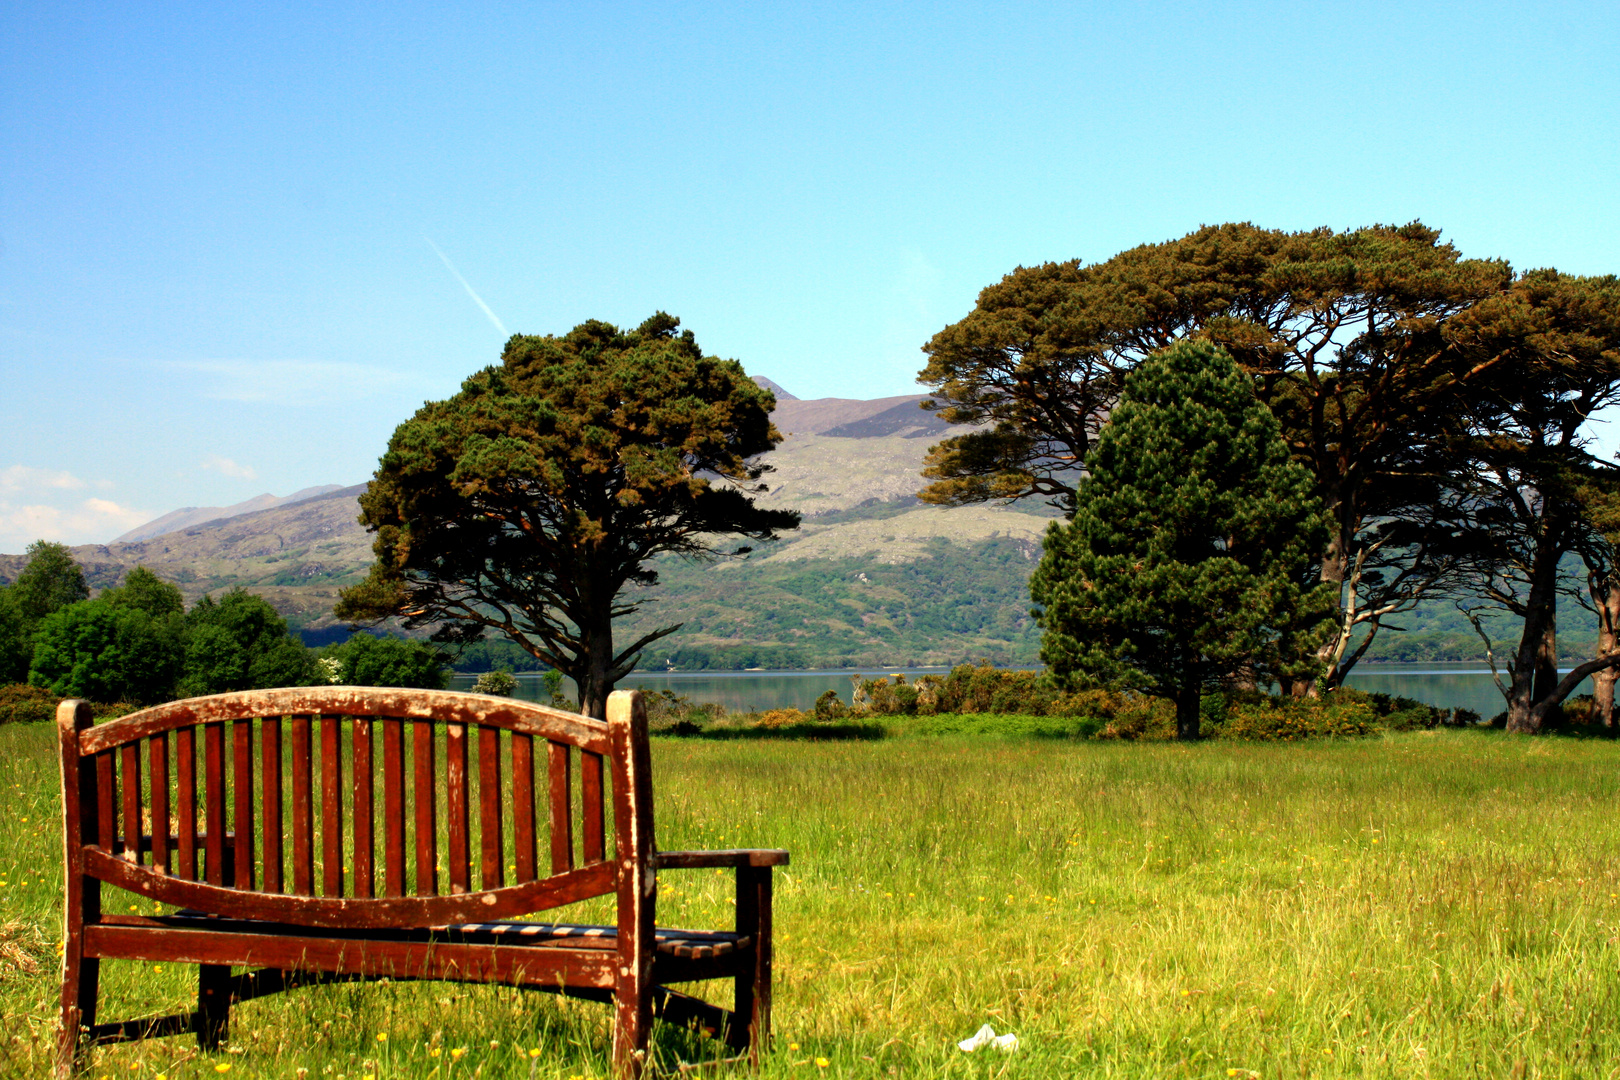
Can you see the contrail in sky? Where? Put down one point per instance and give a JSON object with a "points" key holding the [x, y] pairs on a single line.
{"points": [[475, 297]]}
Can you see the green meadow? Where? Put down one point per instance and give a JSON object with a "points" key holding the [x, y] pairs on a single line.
{"points": [[1429, 904]]}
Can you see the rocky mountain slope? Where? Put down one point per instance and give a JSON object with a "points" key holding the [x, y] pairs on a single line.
{"points": [[872, 577]]}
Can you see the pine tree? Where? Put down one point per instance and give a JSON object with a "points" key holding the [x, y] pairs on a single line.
{"points": [[1193, 533], [535, 502]]}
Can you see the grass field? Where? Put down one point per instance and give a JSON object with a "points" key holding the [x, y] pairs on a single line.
{"points": [[1435, 904]]}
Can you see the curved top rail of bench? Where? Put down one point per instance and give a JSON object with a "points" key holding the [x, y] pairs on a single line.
{"points": [[445, 706]]}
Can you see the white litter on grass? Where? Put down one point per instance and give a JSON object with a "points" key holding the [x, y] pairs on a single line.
{"points": [[986, 1036]]}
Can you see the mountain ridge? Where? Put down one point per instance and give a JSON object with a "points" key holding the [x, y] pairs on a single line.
{"points": [[872, 576], [187, 516]]}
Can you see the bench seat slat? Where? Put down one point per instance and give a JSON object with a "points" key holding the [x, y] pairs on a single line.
{"points": [[684, 944]]}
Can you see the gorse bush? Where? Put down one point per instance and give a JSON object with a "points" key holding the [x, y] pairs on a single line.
{"points": [[21, 703]]}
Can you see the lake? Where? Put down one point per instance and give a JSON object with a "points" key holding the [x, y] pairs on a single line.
{"points": [[1449, 686]]}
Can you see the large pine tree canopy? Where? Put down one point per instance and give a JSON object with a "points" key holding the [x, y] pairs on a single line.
{"points": [[529, 501]]}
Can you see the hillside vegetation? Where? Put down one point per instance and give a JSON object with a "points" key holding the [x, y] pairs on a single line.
{"points": [[873, 577]]}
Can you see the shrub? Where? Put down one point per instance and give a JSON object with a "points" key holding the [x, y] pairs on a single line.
{"points": [[775, 718], [677, 714], [21, 703], [1140, 718], [499, 683], [1332, 716], [829, 707]]}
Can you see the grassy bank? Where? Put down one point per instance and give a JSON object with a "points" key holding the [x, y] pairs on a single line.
{"points": [[1432, 904]]}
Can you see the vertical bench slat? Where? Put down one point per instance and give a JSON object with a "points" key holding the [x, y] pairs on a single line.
{"points": [[107, 801], [130, 778], [364, 842], [427, 825], [590, 783], [523, 860], [455, 810], [393, 770], [303, 825], [185, 790], [242, 792], [270, 794], [159, 747], [214, 802], [561, 771], [492, 874], [332, 805]]}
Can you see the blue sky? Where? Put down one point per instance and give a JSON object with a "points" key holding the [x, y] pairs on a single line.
{"points": [[221, 225]]}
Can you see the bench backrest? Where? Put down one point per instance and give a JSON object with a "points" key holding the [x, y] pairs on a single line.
{"points": [[348, 806]]}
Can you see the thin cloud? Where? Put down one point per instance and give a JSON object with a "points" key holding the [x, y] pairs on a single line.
{"points": [[228, 467], [23, 478], [475, 297], [292, 382], [91, 521]]}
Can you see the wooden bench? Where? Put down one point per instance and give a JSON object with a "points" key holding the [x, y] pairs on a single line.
{"points": [[327, 834]]}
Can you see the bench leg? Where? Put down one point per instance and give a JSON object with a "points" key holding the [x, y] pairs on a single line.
{"points": [[81, 978], [213, 1005], [752, 996]]}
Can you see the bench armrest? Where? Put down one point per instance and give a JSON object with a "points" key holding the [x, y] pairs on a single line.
{"points": [[701, 860]]}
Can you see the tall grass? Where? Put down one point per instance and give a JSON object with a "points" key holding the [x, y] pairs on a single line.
{"points": [[1435, 904]]}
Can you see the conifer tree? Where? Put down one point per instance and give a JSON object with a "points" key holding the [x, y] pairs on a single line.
{"points": [[1183, 565], [534, 502]]}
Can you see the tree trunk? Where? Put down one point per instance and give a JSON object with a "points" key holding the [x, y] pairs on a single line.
{"points": [[1539, 616], [1187, 715], [1604, 589], [598, 663], [1335, 570], [1547, 654]]}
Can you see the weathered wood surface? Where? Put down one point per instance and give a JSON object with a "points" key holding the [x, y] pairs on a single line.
{"points": [[301, 867], [444, 706]]}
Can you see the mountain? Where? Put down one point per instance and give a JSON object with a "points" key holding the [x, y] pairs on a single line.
{"points": [[188, 516], [297, 555], [872, 576], [781, 394]]}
